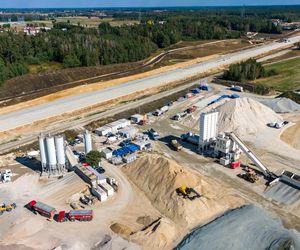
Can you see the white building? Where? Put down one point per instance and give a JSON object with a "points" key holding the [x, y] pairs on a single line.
{"points": [[208, 128], [107, 153], [128, 132]]}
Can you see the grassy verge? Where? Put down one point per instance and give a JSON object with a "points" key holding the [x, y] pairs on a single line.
{"points": [[44, 67], [287, 77]]}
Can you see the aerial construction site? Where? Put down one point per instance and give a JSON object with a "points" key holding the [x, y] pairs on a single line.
{"points": [[176, 157]]}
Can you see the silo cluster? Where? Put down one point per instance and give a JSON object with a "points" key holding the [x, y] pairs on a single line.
{"points": [[53, 157]]}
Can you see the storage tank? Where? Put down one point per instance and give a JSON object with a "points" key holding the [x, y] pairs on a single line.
{"points": [[60, 150], [43, 150], [51, 154], [87, 137]]}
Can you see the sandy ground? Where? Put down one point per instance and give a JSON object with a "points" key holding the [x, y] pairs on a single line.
{"points": [[291, 136]]}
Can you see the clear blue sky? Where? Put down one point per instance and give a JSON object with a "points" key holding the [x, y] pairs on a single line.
{"points": [[134, 3]]}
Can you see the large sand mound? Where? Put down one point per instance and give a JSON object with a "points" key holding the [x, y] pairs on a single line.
{"points": [[247, 228], [245, 116], [159, 177]]}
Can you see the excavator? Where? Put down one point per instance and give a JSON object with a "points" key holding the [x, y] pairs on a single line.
{"points": [[7, 208], [187, 192]]}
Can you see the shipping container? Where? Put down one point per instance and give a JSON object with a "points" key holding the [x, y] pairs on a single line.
{"points": [[99, 193], [107, 188]]}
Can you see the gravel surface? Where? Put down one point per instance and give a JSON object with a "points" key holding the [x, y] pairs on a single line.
{"points": [[282, 105], [248, 227]]}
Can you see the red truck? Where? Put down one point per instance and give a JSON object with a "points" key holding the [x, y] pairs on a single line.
{"points": [[80, 215], [235, 164], [41, 208], [191, 109]]}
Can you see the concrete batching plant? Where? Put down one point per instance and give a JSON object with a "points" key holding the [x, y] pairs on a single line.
{"points": [[52, 152], [208, 128]]}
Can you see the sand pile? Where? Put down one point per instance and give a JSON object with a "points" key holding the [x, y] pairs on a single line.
{"points": [[245, 116], [158, 235], [291, 136], [159, 177], [248, 227], [282, 105]]}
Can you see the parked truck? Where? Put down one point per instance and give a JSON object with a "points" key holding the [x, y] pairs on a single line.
{"points": [[153, 134], [41, 208], [175, 144], [73, 215], [236, 88]]}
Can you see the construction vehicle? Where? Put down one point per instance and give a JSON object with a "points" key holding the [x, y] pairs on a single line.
{"points": [[7, 208], [249, 176], [250, 155], [153, 134], [80, 215], [175, 144], [5, 175], [187, 193], [41, 208]]}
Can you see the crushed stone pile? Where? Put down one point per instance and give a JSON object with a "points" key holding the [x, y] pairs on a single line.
{"points": [[245, 116], [159, 177], [282, 105], [248, 227]]}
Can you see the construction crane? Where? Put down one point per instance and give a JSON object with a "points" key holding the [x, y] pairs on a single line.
{"points": [[7, 208], [187, 192], [251, 155]]}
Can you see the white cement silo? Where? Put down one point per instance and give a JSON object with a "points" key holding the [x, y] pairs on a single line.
{"points": [[43, 153], [51, 153], [60, 150], [87, 138]]}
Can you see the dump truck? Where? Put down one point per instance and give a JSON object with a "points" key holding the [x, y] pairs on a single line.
{"points": [[80, 215], [187, 192], [175, 144], [41, 208], [7, 208]]}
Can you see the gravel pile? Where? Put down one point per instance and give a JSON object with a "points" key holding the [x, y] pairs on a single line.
{"points": [[248, 227], [282, 105]]}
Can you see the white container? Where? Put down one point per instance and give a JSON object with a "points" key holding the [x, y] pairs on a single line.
{"points": [[164, 109], [102, 131], [107, 188], [99, 193]]}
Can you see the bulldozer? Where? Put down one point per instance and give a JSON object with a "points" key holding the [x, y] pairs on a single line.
{"points": [[7, 208], [187, 192]]}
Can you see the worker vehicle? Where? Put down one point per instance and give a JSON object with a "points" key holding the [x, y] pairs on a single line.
{"points": [[41, 208], [142, 122], [153, 134], [175, 144], [7, 208], [73, 215], [187, 193], [236, 88], [235, 164], [191, 109]]}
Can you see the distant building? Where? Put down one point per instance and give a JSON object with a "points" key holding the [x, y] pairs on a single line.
{"points": [[31, 31]]}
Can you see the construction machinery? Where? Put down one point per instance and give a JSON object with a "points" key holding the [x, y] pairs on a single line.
{"points": [[7, 208], [187, 192], [249, 176], [175, 144], [251, 155]]}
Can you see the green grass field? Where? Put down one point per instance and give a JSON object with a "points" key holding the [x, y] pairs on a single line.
{"points": [[287, 77]]}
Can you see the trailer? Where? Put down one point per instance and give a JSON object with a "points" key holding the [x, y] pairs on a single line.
{"points": [[80, 215], [41, 208]]}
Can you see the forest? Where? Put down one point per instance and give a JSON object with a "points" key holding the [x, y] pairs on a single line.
{"points": [[76, 46]]}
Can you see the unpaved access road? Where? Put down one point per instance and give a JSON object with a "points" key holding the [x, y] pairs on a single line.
{"points": [[72, 103]]}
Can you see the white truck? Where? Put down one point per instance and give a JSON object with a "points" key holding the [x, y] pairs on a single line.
{"points": [[161, 111], [5, 175], [236, 88]]}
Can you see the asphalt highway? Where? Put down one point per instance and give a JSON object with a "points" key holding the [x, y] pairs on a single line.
{"points": [[72, 103]]}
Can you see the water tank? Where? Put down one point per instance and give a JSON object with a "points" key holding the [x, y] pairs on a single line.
{"points": [[60, 150], [51, 154], [87, 137], [42, 150]]}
